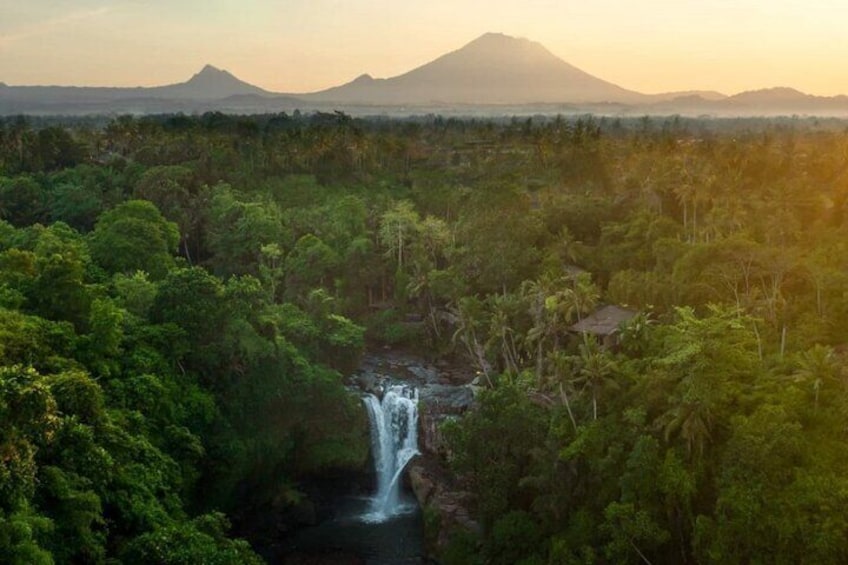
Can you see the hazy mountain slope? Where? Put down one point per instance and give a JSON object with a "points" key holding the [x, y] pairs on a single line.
{"points": [[517, 75], [209, 84], [492, 69], [199, 93]]}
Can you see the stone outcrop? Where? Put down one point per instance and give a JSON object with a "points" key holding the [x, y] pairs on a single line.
{"points": [[436, 404], [444, 391], [445, 505]]}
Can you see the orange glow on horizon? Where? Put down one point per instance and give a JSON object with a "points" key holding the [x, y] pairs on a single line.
{"points": [[301, 46]]}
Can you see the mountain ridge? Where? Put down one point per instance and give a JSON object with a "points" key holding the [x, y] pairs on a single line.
{"points": [[494, 70]]}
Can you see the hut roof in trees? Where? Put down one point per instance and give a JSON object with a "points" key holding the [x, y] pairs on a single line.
{"points": [[604, 321], [573, 271]]}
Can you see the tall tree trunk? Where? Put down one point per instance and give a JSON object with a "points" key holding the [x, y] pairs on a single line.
{"points": [[564, 396], [594, 405], [539, 362]]}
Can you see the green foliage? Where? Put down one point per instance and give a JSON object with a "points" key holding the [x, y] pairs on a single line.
{"points": [[142, 393], [134, 236], [79, 395], [77, 205], [20, 532], [31, 340], [239, 229], [515, 539], [310, 264], [79, 533], [493, 446], [135, 292], [23, 201], [202, 540], [463, 548], [58, 290], [28, 412], [390, 327], [192, 300]]}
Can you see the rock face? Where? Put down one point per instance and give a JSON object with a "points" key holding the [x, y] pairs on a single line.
{"points": [[445, 505], [437, 403], [444, 392]]}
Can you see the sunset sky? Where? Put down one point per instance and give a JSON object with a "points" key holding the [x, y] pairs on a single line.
{"points": [[304, 45]]}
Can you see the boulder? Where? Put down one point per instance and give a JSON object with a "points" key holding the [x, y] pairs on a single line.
{"points": [[446, 399], [370, 383]]}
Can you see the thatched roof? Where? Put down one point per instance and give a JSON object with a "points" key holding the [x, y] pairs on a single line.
{"points": [[573, 271], [604, 321]]}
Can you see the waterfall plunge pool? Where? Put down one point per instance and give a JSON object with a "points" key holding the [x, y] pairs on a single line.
{"points": [[385, 528], [350, 540]]}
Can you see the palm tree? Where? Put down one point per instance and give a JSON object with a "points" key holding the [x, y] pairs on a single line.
{"points": [[582, 297], [559, 361], [596, 371], [467, 315], [692, 421], [818, 367], [501, 332], [536, 293]]}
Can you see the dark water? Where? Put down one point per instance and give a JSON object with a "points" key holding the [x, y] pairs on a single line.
{"points": [[347, 538]]}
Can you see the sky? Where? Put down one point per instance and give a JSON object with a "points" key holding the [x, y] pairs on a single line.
{"points": [[305, 45]]}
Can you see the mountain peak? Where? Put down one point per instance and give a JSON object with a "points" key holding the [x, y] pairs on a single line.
{"points": [[210, 73], [496, 36], [209, 84], [500, 42], [494, 68]]}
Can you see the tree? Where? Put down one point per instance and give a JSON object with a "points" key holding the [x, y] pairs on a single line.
{"points": [[502, 334], [179, 196], [135, 292], [398, 228], [467, 317], [135, 236], [193, 300], [202, 540], [22, 201], [238, 230], [28, 411], [595, 371], [310, 264], [497, 242], [59, 290], [76, 205], [493, 445], [818, 368], [710, 360]]}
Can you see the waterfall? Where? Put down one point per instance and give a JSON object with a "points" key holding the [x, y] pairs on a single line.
{"points": [[394, 441]]}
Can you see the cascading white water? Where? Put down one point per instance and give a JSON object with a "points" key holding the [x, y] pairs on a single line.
{"points": [[394, 441]]}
